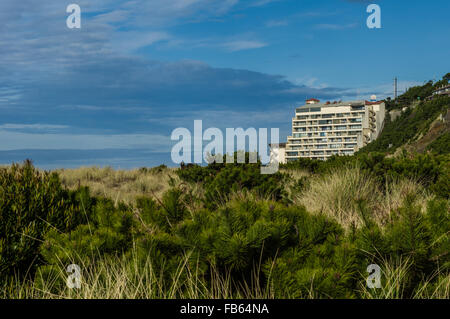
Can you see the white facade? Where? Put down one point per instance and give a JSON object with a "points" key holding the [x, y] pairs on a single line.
{"points": [[340, 128]]}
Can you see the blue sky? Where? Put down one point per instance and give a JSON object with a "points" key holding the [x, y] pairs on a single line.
{"points": [[111, 92]]}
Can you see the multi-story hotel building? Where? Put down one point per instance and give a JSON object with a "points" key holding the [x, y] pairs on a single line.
{"points": [[320, 130]]}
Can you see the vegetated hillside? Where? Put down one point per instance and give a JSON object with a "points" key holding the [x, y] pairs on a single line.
{"points": [[415, 124]]}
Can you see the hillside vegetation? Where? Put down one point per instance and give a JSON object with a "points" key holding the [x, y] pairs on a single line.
{"points": [[423, 125]]}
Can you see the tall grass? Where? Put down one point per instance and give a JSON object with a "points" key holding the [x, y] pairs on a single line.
{"points": [[336, 194], [128, 277], [397, 190], [395, 280], [120, 185]]}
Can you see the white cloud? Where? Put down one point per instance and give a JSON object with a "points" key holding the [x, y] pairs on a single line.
{"points": [[329, 26], [276, 23], [130, 41], [260, 3], [240, 45], [32, 127], [45, 141]]}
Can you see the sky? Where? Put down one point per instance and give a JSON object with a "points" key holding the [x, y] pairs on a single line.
{"points": [[112, 92]]}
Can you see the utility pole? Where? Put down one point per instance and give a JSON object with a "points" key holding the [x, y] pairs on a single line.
{"points": [[395, 88]]}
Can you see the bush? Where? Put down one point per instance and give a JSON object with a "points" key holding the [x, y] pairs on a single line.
{"points": [[418, 238], [221, 180], [107, 231], [441, 145], [31, 204]]}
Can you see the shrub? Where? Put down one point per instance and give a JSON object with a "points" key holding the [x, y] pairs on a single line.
{"points": [[107, 231], [441, 145], [413, 240], [321, 265], [221, 180], [32, 203]]}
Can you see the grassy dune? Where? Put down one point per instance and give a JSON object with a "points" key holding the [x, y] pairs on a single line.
{"points": [[164, 233], [120, 185]]}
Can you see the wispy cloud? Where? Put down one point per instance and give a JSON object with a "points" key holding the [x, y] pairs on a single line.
{"points": [[132, 40], [330, 26], [315, 14], [232, 43], [32, 127], [277, 23], [259, 3], [240, 45], [36, 141]]}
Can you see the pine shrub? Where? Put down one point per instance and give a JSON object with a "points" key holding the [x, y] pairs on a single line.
{"points": [[33, 202]]}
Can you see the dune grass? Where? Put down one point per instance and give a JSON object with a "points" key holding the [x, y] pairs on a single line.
{"points": [[336, 194], [394, 282], [129, 276], [120, 185]]}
